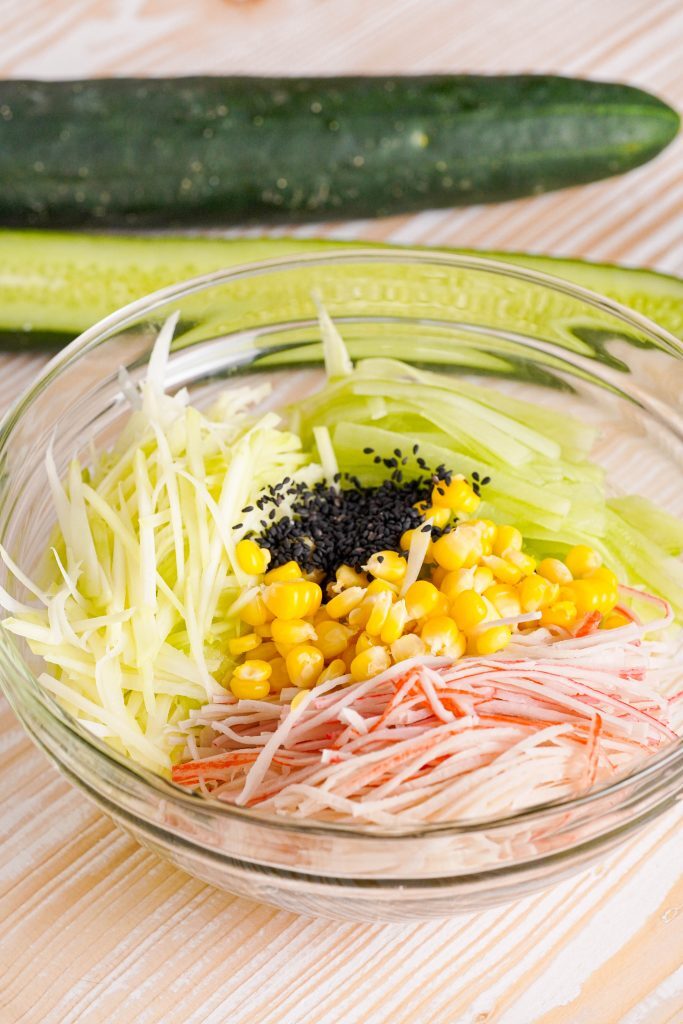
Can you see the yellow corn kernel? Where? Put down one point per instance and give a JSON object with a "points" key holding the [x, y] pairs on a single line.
{"points": [[525, 563], [607, 602], [358, 617], [265, 651], [536, 592], [253, 671], [456, 496], [293, 600], [249, 689], [304, 665], [264, 631], [279, 676], [365, 641], [468, 609], [379, 586], [563, 613], [408, 646], [421, 599], [284, 573], [346, 576], [584, 598], [340, 606], [297, 699], [370, 663], [554, 570], [504, 598], [292, 631], [379, 610], [251, 558], [489, 532], [335, 669], [284, 649], [313, 593], [438, 576], [255, 612], [503, 570], [508, 538], [438, 515], [395, 623], [333, 638], [459, 549], [456, 581], [615, 620], [581, 560], [608, 582], [406, 538], [387, 565], [242, 644], [441, 636], [348, 655], [441, 607], [492, 640], [605, 575], [609, 588], [482, 579], [591, 595]]}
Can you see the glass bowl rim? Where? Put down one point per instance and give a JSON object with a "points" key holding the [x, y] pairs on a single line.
{"points": [[119, 319]]}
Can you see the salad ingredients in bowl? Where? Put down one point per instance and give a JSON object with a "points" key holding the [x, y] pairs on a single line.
{"points": [[288, 617], [370, 610]]}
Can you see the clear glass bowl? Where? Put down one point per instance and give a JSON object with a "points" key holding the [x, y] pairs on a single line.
{"points": [[521, 332]]}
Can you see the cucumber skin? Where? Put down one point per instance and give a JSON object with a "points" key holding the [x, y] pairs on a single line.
{"points": [[211, 150], [53, 285]]}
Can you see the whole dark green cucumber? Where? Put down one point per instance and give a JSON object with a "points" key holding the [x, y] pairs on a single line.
{"points": [[177, 151]]}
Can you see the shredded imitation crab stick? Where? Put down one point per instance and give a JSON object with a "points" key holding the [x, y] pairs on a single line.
{"points": [[431, 740]]}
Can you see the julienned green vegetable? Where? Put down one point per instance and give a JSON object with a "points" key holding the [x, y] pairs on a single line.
{"points": [[233, 150], [55, 285]]}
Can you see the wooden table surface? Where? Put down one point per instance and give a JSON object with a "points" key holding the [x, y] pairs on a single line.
{"points": [[95, 929]]}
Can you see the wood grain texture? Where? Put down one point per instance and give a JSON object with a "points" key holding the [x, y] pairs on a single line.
{"points": [[95, 929]]}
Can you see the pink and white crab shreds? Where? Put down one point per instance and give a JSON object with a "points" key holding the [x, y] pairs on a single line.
{"points": [[430, 740]]}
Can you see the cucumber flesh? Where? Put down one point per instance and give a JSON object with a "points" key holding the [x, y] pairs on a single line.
{"points": [[54, 285]]}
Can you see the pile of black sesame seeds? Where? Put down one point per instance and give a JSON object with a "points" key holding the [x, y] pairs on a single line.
{"points": [[345, 522]]}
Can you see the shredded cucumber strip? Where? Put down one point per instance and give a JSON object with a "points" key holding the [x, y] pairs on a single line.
{"points": [[142, 568]]}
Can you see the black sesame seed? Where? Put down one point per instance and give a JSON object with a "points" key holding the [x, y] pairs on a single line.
{"points": [[368, 451], [238, 526], [475, 476], [416, 449], [486, 480]]}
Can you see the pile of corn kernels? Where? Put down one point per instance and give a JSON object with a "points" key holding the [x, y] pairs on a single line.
{"points": [[474, 575]]}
